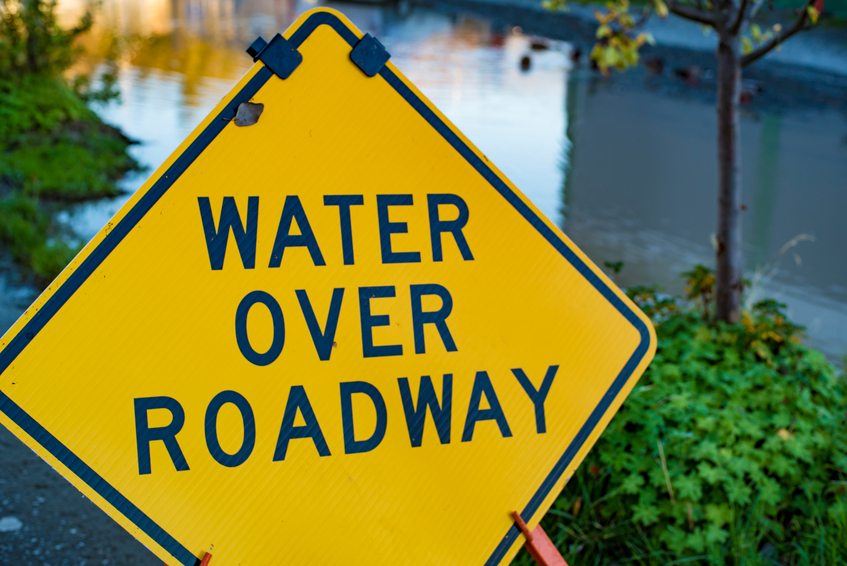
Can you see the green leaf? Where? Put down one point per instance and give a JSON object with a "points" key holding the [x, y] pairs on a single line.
{"points": [[769, 492], [688, 487], [715, 535], [632, 483], [738, 492], [711, 473], [707, 424], [718, 514], [696, 541], [645, 514], [780, 465]]}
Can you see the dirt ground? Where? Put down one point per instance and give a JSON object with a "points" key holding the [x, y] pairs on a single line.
{"points": [[44, 520]]}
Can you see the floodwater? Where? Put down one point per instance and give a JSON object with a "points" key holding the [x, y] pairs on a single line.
{"points": [[627, 168]]}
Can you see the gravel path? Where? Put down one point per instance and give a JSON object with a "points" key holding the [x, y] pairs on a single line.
{"points": [[44, 520]]}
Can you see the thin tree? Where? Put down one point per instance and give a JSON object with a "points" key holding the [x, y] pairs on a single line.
{"points": [[741, 41]]}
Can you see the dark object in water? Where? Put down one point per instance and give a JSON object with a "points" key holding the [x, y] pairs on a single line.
{"points": [[750, 89], [539, 44], [690, 74], [655, 65], [526, 63], [576, 54]]}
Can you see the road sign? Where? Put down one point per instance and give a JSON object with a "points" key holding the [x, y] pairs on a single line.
{"points": [[334, 333]]}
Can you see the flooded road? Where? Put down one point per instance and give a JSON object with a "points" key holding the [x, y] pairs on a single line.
{"points": [[626, 167]]}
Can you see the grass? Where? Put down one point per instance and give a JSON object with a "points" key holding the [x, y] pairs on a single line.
{"points": [[53, 148]]}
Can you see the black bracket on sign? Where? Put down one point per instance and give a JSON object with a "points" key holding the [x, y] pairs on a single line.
{"points": [[278, 55], [369, 55]]}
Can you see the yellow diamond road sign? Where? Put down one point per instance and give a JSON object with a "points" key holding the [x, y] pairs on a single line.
{"points": [[337, 335]]}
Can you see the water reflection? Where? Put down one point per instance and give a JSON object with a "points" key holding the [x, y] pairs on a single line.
{"points": [[642, 189], [467, 67], [629, 172]]}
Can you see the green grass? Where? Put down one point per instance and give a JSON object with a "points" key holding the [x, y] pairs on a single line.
{"points": [[79, 164], [52, 148], [25, 232]]}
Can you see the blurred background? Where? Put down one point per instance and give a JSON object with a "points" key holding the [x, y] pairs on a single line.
{"points": [[625, 165]]}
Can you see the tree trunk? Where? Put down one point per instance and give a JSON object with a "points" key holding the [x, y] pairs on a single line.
{"points": [[729, 263]]}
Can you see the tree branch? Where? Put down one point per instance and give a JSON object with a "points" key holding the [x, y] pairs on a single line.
{"points": [[765, 48], [754, 9], [691, 13], [739, 17], [642, 19]]}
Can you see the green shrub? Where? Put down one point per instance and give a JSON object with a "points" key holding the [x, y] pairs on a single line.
{"points": [[731, 449], [52, 145], [32, 40], [26, 231], [38, 103]]}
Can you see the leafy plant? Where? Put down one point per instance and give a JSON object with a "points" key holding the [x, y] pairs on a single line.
{"points": [[33, 42], [52, 145], [731, 449], [30, 236]]}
